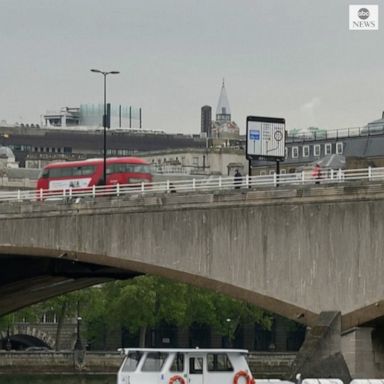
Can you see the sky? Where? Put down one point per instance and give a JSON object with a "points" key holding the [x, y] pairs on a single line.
{"points": [[294, 59]]}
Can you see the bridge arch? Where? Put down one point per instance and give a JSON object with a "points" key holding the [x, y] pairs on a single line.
{"points": [[295, 251], [28, 336]]}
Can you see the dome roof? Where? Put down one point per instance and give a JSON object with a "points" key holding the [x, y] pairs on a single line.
{"points": [[6, 153]]}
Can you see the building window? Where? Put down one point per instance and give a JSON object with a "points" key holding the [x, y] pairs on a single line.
{"points": [[295, 152], [339, 148], [305, 150], [283, 171], [263, 173], [195, 160], [286, 152], [316, 150], [328, 149]]}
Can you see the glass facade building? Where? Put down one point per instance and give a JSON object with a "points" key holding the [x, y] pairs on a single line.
{"points": [[121, 116]]}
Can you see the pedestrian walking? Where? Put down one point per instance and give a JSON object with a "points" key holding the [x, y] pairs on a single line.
{"points": [[237, 179], [316, 173]]}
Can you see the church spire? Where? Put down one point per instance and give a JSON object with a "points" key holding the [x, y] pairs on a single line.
{"points": [[223, 112]]}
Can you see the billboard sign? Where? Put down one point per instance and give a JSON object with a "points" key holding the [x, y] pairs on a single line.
{"points": [[265, 138]]}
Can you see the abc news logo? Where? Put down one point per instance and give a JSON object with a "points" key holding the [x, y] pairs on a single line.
{"points": [[364, 17]]}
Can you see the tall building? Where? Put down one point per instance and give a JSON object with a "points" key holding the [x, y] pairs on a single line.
{"points": [[206, 120], [223, 112], [224, 128]]}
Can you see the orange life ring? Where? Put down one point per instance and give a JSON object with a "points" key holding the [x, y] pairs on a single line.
{"points": [[249, 379], [176, 379]]}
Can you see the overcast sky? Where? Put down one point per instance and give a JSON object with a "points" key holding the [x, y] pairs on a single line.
{"points": [[285, 58]]}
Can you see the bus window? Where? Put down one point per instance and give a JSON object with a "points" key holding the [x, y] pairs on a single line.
{"points": [[60, 172], [88, 170], [142, 169], [44, 174]]}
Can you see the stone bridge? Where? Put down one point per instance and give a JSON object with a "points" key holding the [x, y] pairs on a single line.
{"points": [[295, 251]]}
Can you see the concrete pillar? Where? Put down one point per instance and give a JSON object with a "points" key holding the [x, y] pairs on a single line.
{"points": [[320, 355], [357, 349]]}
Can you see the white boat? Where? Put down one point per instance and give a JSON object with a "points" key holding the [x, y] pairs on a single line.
{"points": [[184, 366]]}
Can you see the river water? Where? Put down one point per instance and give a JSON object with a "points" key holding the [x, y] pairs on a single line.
{"points": [[57, 379]]}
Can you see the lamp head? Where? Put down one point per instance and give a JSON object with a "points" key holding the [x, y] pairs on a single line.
{"points": [[95, 70]]}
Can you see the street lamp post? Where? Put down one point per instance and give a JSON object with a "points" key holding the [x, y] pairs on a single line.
{"points": [[105, 120], [78, 344], [228, 320]]}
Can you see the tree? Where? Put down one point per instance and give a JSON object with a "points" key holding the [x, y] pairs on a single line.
{"points": [[147, 301], [214, 309]]}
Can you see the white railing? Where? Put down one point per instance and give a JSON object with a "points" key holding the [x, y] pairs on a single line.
{"points": [[329, 176]]}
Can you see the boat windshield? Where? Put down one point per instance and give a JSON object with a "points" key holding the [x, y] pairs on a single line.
{"points": [[154, 361], [178, 363], [132, 361], [219, 362]]}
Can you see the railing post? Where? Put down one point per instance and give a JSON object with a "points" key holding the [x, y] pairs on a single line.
{"points": [[41, 194], [70, 192], [302, 176], [18, 195], [194, 184], [168, 186], [339, 175], [331, 174], [117, 189], [142, 187], [247, 180], [94, 191], [369, 173], [220, 182], [275, 179]]}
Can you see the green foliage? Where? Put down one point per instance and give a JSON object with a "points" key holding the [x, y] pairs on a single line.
{"points": [[145, 302], [149, 301]]}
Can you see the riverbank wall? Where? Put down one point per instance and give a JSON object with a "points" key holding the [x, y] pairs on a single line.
{"points": [[102, 367]]}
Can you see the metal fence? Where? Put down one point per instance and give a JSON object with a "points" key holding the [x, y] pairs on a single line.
{"points": [[328, 176]]}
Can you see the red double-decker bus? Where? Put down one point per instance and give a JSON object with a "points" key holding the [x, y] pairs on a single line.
{"points": [[87, 173]]}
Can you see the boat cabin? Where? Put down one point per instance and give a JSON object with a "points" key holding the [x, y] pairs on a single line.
{"points": [[184, 366]]}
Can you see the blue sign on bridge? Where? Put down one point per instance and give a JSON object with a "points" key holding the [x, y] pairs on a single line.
{"points": [[254, 135]]}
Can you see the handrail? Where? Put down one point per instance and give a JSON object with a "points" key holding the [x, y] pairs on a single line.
{"points": [[368, 130], [328, 176]]}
